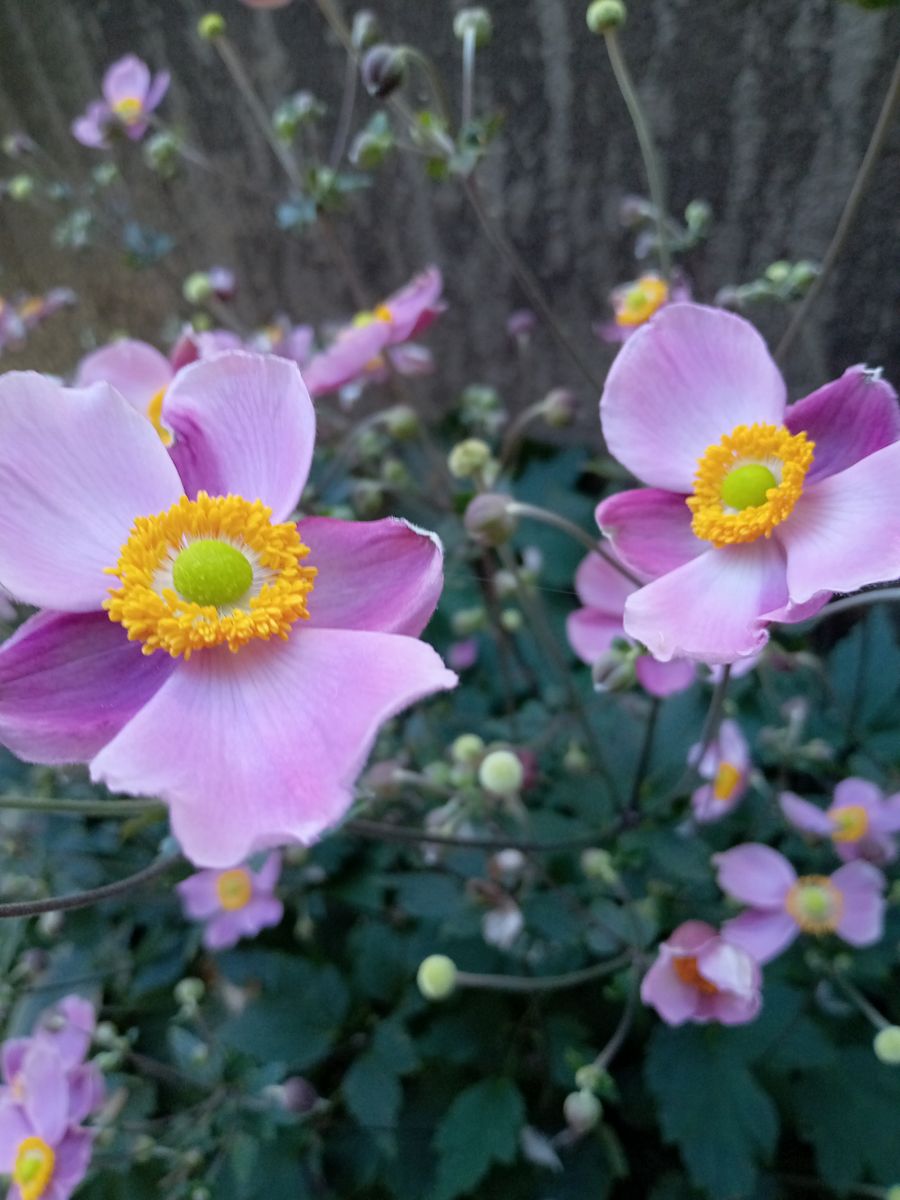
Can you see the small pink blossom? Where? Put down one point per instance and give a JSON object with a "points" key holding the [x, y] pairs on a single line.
{"points": [[726, 764], [233, 904], [636, 302], [700, 975], [130, 95], [860, 821]]}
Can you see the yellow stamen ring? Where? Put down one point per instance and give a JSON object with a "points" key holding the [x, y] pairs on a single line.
{"points": [[726, 781], [788, 456], [129, 109], [152, 611], [851, 822], [33, 1168], [234, 889], [815, 904], [641, 300]]}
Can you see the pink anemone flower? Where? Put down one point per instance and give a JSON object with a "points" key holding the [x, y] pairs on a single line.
{"points": [[849, 903], [130, 94], [756, 512], [701, 976], [187, 649], [726, 764], [235, 903], [361, 346], [859, 821], [636, 302]]}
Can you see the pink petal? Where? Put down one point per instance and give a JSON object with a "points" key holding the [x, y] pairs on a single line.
{"points": [[69, 683], [764, 934], [198, 895], [193, 344], [806, 817], [223, 931], [600, 586], [12, 1055], [862, 886], [591, 634], [730, 968], [735, 1010], [346, 358], [663, 679], [690, 937], [848, 420], [14, 1128], [711, 609], [126, 79], [414, 307], [266, 877], [262, 747], [157, 90], [858, 791], [650, 529], [755, 874], [844, 532], [46, 1100], [86, 1092], [888, 818], [91, 128], [135, 369], [73, 1156], [244, 425], [76, 467], [380, 575], [262, 912], [686, 378], [674, 1000]]}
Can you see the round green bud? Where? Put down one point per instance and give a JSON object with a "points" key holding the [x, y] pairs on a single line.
{"points": [[582, 1111], [210, 26], [575, 760], [803, 273], [697, 216], [886, 1045], [488, 519], [436, 977], [106, 1035], [20, 187], [511, 620], [501, 772], [368, 498], [587, 1078], [467, 749], [614, 670], [598, 864], [200, 1192], [143, 1148], [467, 621], [402, 422], [197, 288], [475, 22], [560, 408], [210, 572], [105, 173], [394, 473], [778, 272], [468, 457], [189, 992], [605, 15]]}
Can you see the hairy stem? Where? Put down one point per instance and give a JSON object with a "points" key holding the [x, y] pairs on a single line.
{"points": [[33, 908], [542, 983]]}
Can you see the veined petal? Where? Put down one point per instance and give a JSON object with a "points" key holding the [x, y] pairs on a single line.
{"points": [[127, 79], [244, 425], [663, 679], [763, 933], [14, 1128], [46, 1100], [755, 874], [805, 816], [682, 381], [77, 465], [600, 586], [135, 369], [262, 747], [650, 529], [591, 633], [862, 917], [346, 358]]}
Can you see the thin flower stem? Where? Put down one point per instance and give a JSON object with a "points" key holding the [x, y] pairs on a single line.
{"points": [[707, 734], [33, 908], [848, 216], [542, 983], [348, 100], [621, 1031], [517, 509], [869, 1011], [513, 435], [470, 39], [640, 773], [83, 808], [386, 831], [435, 83], [645, 141]]}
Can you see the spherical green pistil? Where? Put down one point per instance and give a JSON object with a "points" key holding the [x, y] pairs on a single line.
{"points": [[815, 903], [211, 572], [746, 487]]}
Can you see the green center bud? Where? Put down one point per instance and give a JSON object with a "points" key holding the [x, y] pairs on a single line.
{"points": [[436, 977], [887, 1045], [501, 772], [746, 487], [211, 25], [815, 902], [211, 572], [605, 15]]}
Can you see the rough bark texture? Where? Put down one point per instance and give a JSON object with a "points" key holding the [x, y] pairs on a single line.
{"points": [[764, 109]]}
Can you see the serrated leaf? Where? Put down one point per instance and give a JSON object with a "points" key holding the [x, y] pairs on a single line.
{"points": [[481, 1128], [371, 1087]]}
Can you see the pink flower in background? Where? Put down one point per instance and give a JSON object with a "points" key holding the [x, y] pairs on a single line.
{"points": [[636, 302], [187, 649], [859, 821], [22, 314], [235, 903], [756, 512], [782, 904], [700, 975], [130, 94], [360, 347], [726, 764], [288, 341]]}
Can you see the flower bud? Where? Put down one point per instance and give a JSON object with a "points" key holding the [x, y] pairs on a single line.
{"points": [[364, 31], [614, 670], [162, 153], [189, 992], [20, 187], [697, 216], [468, 457], [402, 422], [106, 1035], [488, 519], [502, 773], [467, 749], [886, 1045], [587, 1078], [436, 977], [197, 288], [778, 272], [560, 407], [477, 21], [605, 15], [511, 620], [575, 760], [211, 26], [299, 1095], [383, 69], [803, 273], [143, 1148], [582, 1111], [17, 144], [598, 864]]}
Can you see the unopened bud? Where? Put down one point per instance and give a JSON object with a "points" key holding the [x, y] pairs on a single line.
{"points": [[477, 21], [468, 457], [189, 992], [587, 1078], [467, 749], [575, 759], [20, 187], [17, 144], [502, 773], [162, 152], [605, 15], [582, 1111], [778, 272], [299, 1095], [598, 864], [197, 288], [143, 1148], [488, 519], [383, 69], [803, 273], [436, 977], [211, 26], [402, 422], [614, 670], [467, 621], [886, 1045], [364, 31], [560, 407], [511, 620], [697, 216]]}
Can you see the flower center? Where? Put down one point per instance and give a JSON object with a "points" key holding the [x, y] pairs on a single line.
{"points": [[33, 1167], [209, 571], [380, 312], [154, 416], [128, 109], [725, 784], [642, 300], [815, 904], [234, 889], [851, 822], [688, 972], [748, 483]]}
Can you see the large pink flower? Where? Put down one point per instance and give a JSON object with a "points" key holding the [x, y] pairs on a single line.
{"points": [[859, 821], [756, 512], [130, 94], [782, 904], [700, 976], [271, 652]]}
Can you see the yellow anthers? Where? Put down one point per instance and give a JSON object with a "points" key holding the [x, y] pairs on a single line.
{"points": [[851, 822], [380, 312], [152, 611], [154, 416], [726, 781], [234, 889], [786, 456], [33, 1167], [815, 904], [128, 109], [639, 302]]}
